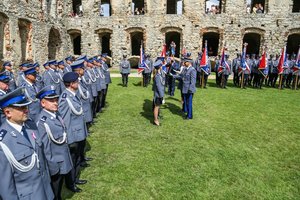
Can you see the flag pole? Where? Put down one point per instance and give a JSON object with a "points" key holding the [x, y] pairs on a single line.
{"points": [[202, 82], [242, 81], [280, 82], [142, 82], [296, 82]]}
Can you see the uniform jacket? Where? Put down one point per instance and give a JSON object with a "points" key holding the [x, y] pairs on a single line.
{"points": [[75, 122], [125, 67], [57, 155], [34, 184], [34, 107], [51, 78], [189, 80], [159, 86]]}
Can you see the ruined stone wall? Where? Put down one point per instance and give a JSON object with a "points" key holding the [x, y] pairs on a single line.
{"points": [[232, 24]]}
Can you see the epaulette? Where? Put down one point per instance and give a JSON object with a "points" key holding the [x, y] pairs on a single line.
{"points": [[64, 95], [2, 134], [43, 119], [23, 85]]}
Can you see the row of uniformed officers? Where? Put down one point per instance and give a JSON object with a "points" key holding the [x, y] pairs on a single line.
{"points": [[44, 125]]}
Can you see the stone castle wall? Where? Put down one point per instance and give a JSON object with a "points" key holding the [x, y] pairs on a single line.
{"points": [[43, 28]]}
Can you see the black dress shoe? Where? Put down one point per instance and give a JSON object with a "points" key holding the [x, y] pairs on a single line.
{"points": [[81, 182], [74, 189], [84, 164], [88, 159]]}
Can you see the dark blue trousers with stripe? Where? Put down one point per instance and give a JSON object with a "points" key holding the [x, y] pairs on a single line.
{"points": [[188, 104]]}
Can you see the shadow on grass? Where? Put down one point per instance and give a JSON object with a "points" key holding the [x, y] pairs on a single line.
{"points": [[174, 99], [147, 110], [174, 109], [138, 84], [120, 84]]}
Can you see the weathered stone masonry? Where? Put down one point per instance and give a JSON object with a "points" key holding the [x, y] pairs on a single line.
{"points": [[43, 29]]}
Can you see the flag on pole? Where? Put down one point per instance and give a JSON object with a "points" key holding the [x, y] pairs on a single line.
{"points": [[223, 64], [263, 64], [164, 51], [244, 66], [204, 61], [282, 61], [296, 67], [142, 64]]}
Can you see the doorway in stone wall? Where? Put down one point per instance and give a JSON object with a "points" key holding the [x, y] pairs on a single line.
{"points": [[105, 43], [176, 38], [212, 39], [136, 41], [293, 44], [253, 40], [75, 36]]}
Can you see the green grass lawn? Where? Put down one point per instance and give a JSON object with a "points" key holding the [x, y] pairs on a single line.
{"points": [[241, 144]]}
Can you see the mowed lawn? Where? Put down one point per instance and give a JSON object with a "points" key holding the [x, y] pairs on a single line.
{"points": [[241, 144]]}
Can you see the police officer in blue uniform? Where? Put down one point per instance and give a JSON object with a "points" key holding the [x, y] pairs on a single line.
{"points": [[159, 91], [39, 79], [68, 62], [125, 70], [188, 87], [148, 71], [9, 72], [31, 90], [23, 169], [53, 134], [107, 76], [4, 88], [51, 76], [70, 108]]}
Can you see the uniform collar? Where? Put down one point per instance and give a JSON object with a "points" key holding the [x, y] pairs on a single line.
{"points": [[15, 126], [71, 91], [50, 113]]}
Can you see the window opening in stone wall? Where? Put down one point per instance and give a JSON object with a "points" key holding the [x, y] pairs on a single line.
{"points": [[174, 7], [253, 40], [138, 7], [24, 37], [136, 40], [3, 21], [105, 8], [173, 37], [256, 6], [212, 43], [105, 43], [54, 44], [77, 8], [293, 44], [296, 6], [213, 6]]}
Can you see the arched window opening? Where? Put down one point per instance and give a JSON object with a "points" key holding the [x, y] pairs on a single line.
{"points": [[76, 43], [293, 44], [176, 38], [136, 41], [253, 40], [105, 8], [105, 43], [54, 44], [25, 38], [174, 7], [3, 22], [212, 39]]}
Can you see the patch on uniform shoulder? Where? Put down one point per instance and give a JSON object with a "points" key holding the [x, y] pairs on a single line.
{"points": [[43, 119], [64, 95], [23, 85], [2, 134]]}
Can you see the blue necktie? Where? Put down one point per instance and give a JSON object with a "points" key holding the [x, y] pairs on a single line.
{"points": [[25, 134]]}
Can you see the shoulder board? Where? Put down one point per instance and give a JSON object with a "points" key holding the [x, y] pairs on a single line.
{"points": [[64, 95], [23, 85], [2, 134], [43, 119]]}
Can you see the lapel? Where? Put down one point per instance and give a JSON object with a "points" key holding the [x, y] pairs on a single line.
{"points": [[20, 139], [31, 134]]}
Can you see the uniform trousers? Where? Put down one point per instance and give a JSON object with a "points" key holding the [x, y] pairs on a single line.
{"points": [[188, 105]]}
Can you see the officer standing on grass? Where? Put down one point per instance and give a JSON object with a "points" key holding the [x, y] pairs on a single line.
{"points": [[23, 169], [54, 138], [188, 87], [70, 108], [125, 70]]}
